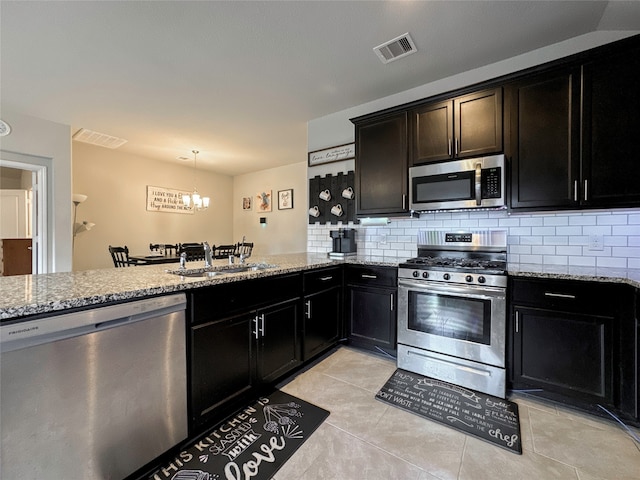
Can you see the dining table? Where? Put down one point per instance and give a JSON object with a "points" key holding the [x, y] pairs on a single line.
{"points": [[154, 258]]}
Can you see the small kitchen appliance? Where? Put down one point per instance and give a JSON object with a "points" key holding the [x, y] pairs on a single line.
{"points": [[452, 309], [344, 243]]}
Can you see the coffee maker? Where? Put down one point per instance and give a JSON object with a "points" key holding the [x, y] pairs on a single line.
{"points": [[344, 243]]}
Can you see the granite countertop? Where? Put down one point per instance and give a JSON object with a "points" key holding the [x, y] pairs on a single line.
{"points": [[629, 276], [23, 295]]}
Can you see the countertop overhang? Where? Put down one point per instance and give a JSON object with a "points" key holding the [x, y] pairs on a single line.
{"points": [[27, 295]]}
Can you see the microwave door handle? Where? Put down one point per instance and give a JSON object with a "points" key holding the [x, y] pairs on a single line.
{"points": [[478, 183]]}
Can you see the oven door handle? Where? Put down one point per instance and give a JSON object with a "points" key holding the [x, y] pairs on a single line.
{"points": [[465, 291]]}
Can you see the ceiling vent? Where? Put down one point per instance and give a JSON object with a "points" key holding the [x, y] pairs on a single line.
{"points": [[397, 48], [100, 139]]}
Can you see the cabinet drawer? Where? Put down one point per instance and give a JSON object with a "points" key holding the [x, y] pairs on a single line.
{"points": [[369, 275], [220, 300], [574, 296], [322, 279]]}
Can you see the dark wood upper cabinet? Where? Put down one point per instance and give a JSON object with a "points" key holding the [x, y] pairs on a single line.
{"points": [[544, 122], [382, 165], [478, 123], [611, 126], [432, 133], [465, 126]]}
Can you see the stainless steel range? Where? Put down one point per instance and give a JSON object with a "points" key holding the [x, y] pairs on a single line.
{"points": [[452, 309]]}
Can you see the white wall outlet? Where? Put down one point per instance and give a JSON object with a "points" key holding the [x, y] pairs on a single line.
{"points": [[383, 239], [596, 242]]}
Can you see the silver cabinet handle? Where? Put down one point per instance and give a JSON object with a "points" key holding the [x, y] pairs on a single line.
{"points": [[586, 189], [255, 322], [326, 279], [404, 201], [517, 322], [559, 295], [308, 312], [391, 300], [262, 324], [457, 145], [449, 146], [366, 275], [575, 190]]}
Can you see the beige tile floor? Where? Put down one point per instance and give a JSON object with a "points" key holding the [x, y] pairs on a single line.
{"points": [[364, 438]]}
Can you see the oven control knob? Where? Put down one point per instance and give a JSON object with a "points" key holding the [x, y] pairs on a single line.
{"points": [[415, 274], [469, 278], [425, 274], [481, 279], [446, 276]]}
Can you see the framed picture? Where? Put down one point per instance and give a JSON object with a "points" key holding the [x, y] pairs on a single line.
{"points": [[246, 203], [285, 199], [263, 203], [333, 154]]}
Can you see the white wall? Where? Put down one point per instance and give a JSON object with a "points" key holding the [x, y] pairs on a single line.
{"points": [[51, 142], [116, 186], [285, 230], [545, 238]]}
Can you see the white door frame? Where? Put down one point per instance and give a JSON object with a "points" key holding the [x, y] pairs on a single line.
{"points": [[38, 214]]}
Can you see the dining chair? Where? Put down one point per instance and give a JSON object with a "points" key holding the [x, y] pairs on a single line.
{"points": [[244, 248], [120, 257], [223, 251], [194, 251], [168, 248]]}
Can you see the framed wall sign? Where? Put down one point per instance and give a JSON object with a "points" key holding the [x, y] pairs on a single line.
{"points": [[333, 154], [161, 199], [285, 199]]}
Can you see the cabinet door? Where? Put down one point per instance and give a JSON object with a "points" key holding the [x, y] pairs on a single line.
{"points": [[565, 353], [432, 133], [276, 332], [478, 123], [611, 142], [322, 321], [382, 165], [221, 364], [545, 134], [372, 317]]}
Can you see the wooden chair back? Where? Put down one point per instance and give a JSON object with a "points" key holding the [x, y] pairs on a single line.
{"points": [[244, 248], [120, 256], [168, 248], [194, 251], [223, 251]]}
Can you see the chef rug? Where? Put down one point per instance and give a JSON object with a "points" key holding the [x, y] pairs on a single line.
{"points": [[254, 443], [490, 418]]}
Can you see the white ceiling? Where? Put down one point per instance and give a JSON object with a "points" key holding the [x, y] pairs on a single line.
{"points": [[238, 80]]}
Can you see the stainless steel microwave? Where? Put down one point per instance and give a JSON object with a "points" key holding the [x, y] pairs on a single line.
{"points": [[458, 184]]}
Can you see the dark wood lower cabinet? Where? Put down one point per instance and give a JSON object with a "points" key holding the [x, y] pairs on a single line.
{"points": [[322, 319], [371, 299], [575, 342], [277, 335]]}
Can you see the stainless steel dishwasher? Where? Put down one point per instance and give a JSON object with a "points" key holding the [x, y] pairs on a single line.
{"points": [[94, 394]]}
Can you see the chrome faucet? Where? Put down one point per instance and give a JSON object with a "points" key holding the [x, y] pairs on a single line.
{"points": [[207, 254], [183, 261], [243, 256]]}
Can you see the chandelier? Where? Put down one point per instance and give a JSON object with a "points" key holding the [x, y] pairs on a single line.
{"points": [[194, 200]]}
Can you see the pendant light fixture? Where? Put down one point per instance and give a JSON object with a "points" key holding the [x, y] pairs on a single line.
{"points": [[194, 200]]}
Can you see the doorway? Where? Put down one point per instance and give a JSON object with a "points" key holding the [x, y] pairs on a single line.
{"points": [[23, 206]]}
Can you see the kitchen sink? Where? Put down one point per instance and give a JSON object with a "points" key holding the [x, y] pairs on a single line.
{"points": [[221, 270]]}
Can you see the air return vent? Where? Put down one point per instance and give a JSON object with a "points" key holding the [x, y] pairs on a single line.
{"points": [[100, 139], [394, 49]]}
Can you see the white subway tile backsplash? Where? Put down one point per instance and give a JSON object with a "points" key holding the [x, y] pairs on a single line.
{"points": [[554, 238]]}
